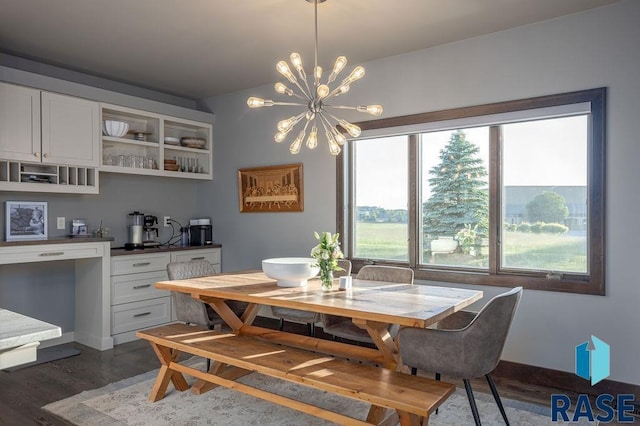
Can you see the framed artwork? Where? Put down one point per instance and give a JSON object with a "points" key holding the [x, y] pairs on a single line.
{"points": [[271, 189], [26, 220]]}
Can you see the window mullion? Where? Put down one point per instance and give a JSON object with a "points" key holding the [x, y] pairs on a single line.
{"points": [[495, 197], [415, 228]]}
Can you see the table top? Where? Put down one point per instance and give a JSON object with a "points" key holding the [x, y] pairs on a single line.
{"points": [[391, 303], [17, 330]]}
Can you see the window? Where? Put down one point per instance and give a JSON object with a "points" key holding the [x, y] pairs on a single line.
{"points": [[503, 194]]}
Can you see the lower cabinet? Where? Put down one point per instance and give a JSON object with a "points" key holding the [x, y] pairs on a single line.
{"points": [[135, 302]]}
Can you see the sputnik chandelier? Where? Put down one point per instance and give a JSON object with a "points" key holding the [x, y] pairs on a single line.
{"points": [[315, 99]]}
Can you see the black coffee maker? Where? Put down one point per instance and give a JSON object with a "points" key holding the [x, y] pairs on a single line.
{"points": [[200, 232]]}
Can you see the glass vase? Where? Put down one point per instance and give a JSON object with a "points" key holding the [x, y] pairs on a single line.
{"points": [[326, 280]]}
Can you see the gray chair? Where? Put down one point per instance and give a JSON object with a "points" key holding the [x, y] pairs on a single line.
{"points": [[343, 327], [188, 309], [467, 350], [307, 317]]}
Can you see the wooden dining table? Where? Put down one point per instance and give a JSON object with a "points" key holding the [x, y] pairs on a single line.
{"points": [[371, 305]]}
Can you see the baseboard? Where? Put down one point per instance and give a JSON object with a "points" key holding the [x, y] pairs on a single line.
{"points": [[560, 380]]}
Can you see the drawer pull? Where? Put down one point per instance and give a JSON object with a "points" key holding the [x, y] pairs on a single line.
{"points": [[141, 314], [198, 258], [137, 287], [52, 253], [142, 264]]}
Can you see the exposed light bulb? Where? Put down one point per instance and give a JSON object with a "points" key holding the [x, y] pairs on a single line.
{"points": [[317, 73], [287, 124], [339, 137], [312, 140], [296, 60], [356, 74], [341, 62], [343, 89], [258, 102], [322, 91], [370, 109], [284, 69], [282, 89], [280, 137], [297, 143], [351, 128], [334, 149]]}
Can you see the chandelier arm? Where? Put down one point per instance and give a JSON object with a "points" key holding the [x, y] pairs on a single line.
{"points": [[289, 104], [340, 107]]}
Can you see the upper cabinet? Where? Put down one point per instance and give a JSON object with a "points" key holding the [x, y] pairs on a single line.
{"points": [[156, 145], [49, 142], [46, 127], [19, 123]]}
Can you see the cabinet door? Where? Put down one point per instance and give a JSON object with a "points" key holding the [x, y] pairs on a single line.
{"points": [[19, 123], [70, 130]]}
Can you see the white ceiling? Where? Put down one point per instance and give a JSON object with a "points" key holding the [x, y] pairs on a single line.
{"points": [[202, 48]]}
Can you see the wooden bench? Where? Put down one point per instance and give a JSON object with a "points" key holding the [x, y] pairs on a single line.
{"points": [[413, 397]]}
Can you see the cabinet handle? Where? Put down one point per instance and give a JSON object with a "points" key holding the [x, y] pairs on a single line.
{"points": [[142, 264], [45, 155], [52, 253], [36, 154], [141, 315], [137, 287], [198, 258]]}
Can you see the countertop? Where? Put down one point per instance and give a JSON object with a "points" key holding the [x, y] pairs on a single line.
{"points": [[119, 251], [62, 240], [17, 330]]}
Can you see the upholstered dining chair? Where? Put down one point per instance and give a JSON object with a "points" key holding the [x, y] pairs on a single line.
{"points": [[343, 327], [464, 345], [307, 317], [188, 309]]}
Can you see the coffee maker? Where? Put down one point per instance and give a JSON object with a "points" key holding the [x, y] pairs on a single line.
{"points": [[136, 225], [150, 232], [200, 232]]}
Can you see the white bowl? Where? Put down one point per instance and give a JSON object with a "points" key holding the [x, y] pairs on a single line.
{"points": [[114, 128], [290, 271]]}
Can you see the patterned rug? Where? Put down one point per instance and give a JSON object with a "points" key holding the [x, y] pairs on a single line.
{"points": [[126, 403]]}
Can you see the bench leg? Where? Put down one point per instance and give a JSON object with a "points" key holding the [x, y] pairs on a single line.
{"points": [[166, 375]]}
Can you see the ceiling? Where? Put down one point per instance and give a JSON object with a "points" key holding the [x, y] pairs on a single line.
{"points": [[202, 48]]}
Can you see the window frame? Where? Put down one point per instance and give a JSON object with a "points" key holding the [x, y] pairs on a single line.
{"points": [[592, 283]]}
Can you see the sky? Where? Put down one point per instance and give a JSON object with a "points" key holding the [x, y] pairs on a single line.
{"points": [[540, 153]]}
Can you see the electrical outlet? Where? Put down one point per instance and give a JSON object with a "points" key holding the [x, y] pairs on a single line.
{"points": [[60, 223], [166, 220]]}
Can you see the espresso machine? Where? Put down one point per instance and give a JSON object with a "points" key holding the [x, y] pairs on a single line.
{"points": [[135, 227], [150, 231]]}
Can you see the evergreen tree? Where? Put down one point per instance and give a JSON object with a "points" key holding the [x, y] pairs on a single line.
{"points": [[458, 190]]}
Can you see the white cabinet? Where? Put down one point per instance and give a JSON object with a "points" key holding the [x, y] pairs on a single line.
{"points": [[155, 146], [48, 141], [135, 302], [70, 130], [19, 123]]}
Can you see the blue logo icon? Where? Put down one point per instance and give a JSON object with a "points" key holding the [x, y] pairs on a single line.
{"points": [[593, 362]]}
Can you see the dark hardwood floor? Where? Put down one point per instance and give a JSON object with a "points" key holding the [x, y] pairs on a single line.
{"points": [[24, 392]]}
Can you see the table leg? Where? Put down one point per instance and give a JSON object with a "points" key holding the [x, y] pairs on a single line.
{"points": [[166, 357]]}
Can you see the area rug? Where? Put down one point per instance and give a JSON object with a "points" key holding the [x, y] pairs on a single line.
{"points": [[126, 403]]}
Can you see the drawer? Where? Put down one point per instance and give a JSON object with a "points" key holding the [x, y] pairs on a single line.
{"points": [[137, 315], [136, 263], [137, 287], [50, 252], [210, 255]]}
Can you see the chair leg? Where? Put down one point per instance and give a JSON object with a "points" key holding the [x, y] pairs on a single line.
{"points": [[312, 329], [472, 401], [438, 379], [281, 325], [496, 396], [414, 371], [208, 365]]}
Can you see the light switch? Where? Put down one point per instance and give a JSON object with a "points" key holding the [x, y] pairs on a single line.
{"points": [[61, 224]]}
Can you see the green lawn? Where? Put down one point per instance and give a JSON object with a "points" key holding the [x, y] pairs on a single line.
{"points": [[522, 251]]}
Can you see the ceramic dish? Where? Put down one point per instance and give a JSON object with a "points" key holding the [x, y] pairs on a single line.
{"points": [[171, 141], [190, 142], [114, 128]]}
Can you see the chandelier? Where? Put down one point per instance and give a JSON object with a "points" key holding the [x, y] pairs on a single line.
{"points": [[315, 97]]}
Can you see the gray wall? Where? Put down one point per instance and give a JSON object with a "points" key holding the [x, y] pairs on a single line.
{"points": [[592, 49]]}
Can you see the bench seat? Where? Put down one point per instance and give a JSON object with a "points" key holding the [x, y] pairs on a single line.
{"points": [[379, 386]]}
